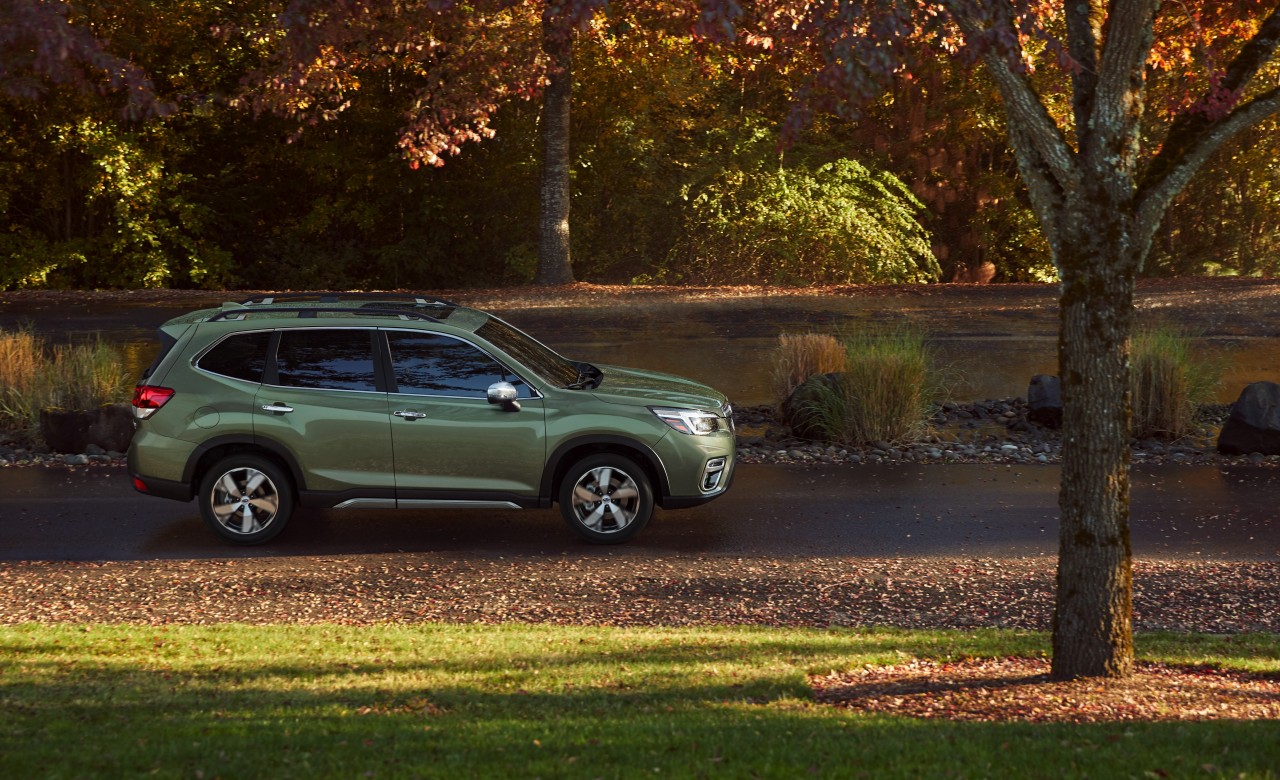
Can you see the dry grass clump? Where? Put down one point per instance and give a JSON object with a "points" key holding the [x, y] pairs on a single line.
{"points": [[35, 376], [801, 356], [1168, 384], [883, 394]]}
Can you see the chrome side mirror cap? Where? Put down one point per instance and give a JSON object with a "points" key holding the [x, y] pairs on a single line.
{"points": [[504, 394]]}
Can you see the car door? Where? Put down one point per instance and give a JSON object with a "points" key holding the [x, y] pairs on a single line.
{"points": [[450, 443], [322, 402]]}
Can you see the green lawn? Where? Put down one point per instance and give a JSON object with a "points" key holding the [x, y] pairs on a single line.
{"points": [[539, 701]]}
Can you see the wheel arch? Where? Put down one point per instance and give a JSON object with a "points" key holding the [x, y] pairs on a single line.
{"points": [[214, 450], [576, 449]]}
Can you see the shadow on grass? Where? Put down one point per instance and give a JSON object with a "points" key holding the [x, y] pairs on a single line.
{"points": [[453, 702]]}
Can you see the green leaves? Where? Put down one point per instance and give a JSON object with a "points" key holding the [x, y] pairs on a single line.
{"points": [[841, 223]]}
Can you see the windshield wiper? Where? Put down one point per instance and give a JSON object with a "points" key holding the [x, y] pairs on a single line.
{"points": [[587, 375]]}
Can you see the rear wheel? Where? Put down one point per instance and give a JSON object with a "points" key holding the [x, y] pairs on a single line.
{"points": [[606, 498], [246, 499]]}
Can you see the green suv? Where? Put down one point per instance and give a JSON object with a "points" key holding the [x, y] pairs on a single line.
{"points": [[362, 401]]}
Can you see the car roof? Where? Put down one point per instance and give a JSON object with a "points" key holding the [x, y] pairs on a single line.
{"points": [[304, 308]]}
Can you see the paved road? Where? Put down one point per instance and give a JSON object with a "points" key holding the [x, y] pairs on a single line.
{"points": [[777, 511]]}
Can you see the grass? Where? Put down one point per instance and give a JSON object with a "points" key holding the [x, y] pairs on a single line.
{"points": [[884, 394], [801, 356], [35, 376], [1168, 383], [543, 701]]}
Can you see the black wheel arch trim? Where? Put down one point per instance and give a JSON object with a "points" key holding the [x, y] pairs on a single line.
{"points": [[239, 439], [548, 486]]}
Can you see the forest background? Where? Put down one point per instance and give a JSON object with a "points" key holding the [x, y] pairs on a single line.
{"points": [[679, 172]]}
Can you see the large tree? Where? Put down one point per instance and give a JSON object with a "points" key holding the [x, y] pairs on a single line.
{"points": [[456, 65], [1099, 192]]}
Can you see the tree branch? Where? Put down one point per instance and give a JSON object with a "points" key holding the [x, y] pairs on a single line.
{"points": [[1121, 85], [1191, 125], [1156, 193], [1023, 106], [1084, 23]]}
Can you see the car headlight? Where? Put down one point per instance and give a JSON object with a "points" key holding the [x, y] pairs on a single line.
{"points": [[694, 422]]}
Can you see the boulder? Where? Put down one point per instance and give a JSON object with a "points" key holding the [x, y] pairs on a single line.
{"points": [[1044, 401], [798, 410], [1254, 424], [110, 427]]}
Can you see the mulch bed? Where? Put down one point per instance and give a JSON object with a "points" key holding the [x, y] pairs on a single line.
{"points": [[1020, 689]]}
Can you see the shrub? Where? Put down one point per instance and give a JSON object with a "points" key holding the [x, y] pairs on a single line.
{"points": [[883, 394], [1168, 383], [839, 224], [801, 356], [34, 376]]}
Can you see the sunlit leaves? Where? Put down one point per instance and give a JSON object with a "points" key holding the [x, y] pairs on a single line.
{"points": [[841, 223]]}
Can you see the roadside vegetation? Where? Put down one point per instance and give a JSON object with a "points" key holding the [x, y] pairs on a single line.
{"points": [[546, 701], [882, 385], [883, 392], [36, 375], [802, 356], [1169, 383]]}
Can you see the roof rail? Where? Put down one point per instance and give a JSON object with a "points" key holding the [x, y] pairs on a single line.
{"points": [[311, 311], [414, 299]]}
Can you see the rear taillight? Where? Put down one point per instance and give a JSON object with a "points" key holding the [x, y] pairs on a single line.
{"points": [[148, 398]]}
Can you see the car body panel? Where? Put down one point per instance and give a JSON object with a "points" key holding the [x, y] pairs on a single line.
{"points": [[652, 388], [342, 439], [467, 444]]}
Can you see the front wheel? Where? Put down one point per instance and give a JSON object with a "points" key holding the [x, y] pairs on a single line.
{"points": [[606, 498], [246, 499]]}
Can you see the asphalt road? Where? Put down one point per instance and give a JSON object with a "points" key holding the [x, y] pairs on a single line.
{"points": [[1178, 512]]}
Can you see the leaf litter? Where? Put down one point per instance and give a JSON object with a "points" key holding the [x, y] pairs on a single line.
{"points": [[676, 590]]}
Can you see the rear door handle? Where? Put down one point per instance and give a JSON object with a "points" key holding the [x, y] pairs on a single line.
{"points": [[277, 407], [409, 415]]}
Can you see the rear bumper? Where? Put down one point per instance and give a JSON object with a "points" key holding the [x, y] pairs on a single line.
{"points": [[162, 488], [142, 470]]}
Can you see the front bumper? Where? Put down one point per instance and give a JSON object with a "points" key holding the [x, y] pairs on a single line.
{"points": [[690, 466]]}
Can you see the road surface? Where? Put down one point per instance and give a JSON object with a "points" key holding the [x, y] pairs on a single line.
{"points": [[1178, 512]]}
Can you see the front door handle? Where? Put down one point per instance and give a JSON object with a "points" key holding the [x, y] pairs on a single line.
{"points": [[277, 407], [409, 415]]}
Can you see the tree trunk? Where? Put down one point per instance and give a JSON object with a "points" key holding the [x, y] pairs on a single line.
{"points": [[554, 266], [1092, 623]]}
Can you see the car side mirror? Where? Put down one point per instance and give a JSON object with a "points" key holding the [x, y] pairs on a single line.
{"points": [[504, 394]]}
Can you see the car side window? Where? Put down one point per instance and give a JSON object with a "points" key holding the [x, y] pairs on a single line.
{"points": [[242, 356], [432, 364], [327, 359]]}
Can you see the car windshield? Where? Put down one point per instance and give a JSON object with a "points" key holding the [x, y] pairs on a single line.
{"points": [[552, 368]]}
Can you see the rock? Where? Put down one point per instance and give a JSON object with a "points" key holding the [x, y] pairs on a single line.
{"points": [[76, 460], [1254, 424], [1044, 401], [798, 411], [109, 427]]}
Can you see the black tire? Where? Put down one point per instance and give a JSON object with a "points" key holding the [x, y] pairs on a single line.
{"points": [[610, 513], [246, 499]]}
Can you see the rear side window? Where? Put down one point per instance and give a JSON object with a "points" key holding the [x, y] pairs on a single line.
{"points": [[326, 359], [242, 356]]}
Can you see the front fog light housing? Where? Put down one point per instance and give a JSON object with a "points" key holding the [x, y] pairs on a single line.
{"points": [[694, 422]]}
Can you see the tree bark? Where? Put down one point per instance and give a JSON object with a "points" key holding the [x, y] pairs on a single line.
{"points": [[554, 262], [1092, 624]]}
